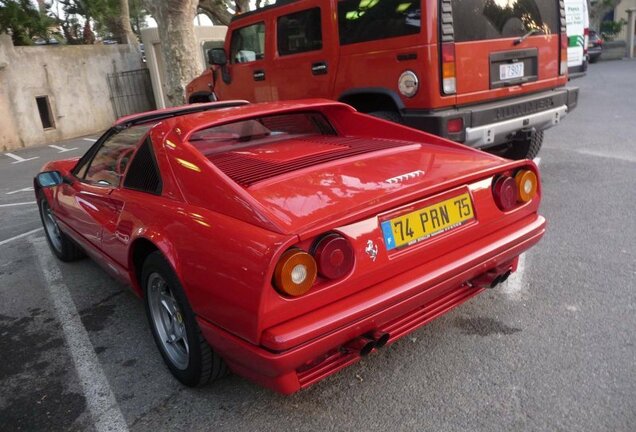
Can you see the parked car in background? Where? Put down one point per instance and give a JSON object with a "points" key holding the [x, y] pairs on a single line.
{"points": [[475, 71], [596, 46], [287, 240], [578, 26]]}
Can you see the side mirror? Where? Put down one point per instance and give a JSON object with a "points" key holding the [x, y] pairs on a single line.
{"points": [[216, 56], [49, 178]]}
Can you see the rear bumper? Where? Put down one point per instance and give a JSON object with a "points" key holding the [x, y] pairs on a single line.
{"points": [[494, 123], [292, 357]]}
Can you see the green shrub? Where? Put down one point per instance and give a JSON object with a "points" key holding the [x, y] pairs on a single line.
{"points": [[609, 29]]}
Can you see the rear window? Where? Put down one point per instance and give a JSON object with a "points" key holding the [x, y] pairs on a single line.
{"points": [[495, 19], [299, 32], [367, 20], [258, 131]]}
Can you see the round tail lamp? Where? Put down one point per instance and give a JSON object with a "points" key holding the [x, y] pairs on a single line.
{"points": [[295, 272], [527, 184], [334, 256], [505, 193]]}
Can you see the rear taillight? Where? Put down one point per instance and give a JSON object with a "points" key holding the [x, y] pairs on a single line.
{"points": [[334, 256], [509, 192], [331, 257], [455, 125], [449, 82], [527, 185], [586, 40], [563, 56], [295, 272], [505, 193]]}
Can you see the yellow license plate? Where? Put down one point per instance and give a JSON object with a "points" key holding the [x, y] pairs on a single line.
{"points": [[427, 222]]}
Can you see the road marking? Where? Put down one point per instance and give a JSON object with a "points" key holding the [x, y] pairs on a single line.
{"points": [[89, 139], [62, 149], [19, 159], [515, 285], [9, 240], [26, 189], [623, 157], [537, 160], [100, 399], [18, 204]]}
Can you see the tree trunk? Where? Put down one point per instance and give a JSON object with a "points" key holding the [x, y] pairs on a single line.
{"points": [[598, 11], [127, 35], [178, 44], [242, 6], [41, 6], [88, 35], [216, 10]]}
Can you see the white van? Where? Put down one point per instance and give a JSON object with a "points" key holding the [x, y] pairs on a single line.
{"points": [[578, 27]]}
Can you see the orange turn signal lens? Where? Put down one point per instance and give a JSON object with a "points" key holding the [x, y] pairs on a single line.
{"points": [[295, 272], [527, 185]]}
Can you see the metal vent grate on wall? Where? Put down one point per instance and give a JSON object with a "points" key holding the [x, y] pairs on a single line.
{"points": [[143, 174]]}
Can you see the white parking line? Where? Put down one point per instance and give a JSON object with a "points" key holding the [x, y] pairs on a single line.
{"points": [[19, 159], [26, 189], [100, 399], [621, 157], [18, 204], [515, 285], [89, 139], [19, 236], [62, 149]]}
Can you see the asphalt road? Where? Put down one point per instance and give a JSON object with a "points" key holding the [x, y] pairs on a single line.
{"points": [[552, 349]]}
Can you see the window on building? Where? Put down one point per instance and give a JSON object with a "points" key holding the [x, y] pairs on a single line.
{"points": [[44, 108]]}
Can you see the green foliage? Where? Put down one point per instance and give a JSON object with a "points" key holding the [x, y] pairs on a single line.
{"points": [[24, 22], [103, 15], [611, 28]]}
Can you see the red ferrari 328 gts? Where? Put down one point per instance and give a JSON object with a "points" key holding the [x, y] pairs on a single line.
{"points": [[287, 240]]}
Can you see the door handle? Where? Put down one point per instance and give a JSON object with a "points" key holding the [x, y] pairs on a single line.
{"points": [[319, 68], [259, 75]]}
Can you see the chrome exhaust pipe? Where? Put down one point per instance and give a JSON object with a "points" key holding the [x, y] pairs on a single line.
{"points": [[361, 345], [380, 338]]}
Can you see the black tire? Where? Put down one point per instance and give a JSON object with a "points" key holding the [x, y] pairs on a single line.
{"points": [[521, 149], [387, 115], [203, 364], [60, 244], [594, 59]]}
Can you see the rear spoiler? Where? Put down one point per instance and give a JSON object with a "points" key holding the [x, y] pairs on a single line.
{"points": [[135, 119]]}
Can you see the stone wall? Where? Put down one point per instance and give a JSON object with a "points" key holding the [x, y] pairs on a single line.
{"points": [[72, 79]]}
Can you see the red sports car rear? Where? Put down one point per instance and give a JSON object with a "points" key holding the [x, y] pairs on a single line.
{"points": [[298, 237]]}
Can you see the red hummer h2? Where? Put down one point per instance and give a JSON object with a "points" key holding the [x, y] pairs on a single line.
{"points": [[486, 73]]}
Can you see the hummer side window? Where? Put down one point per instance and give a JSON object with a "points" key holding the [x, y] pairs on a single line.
{"points": [[248, 44], [299, 32], [367, 20]]}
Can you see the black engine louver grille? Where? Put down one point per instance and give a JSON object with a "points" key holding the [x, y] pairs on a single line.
{"points": [[143, 174]]}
